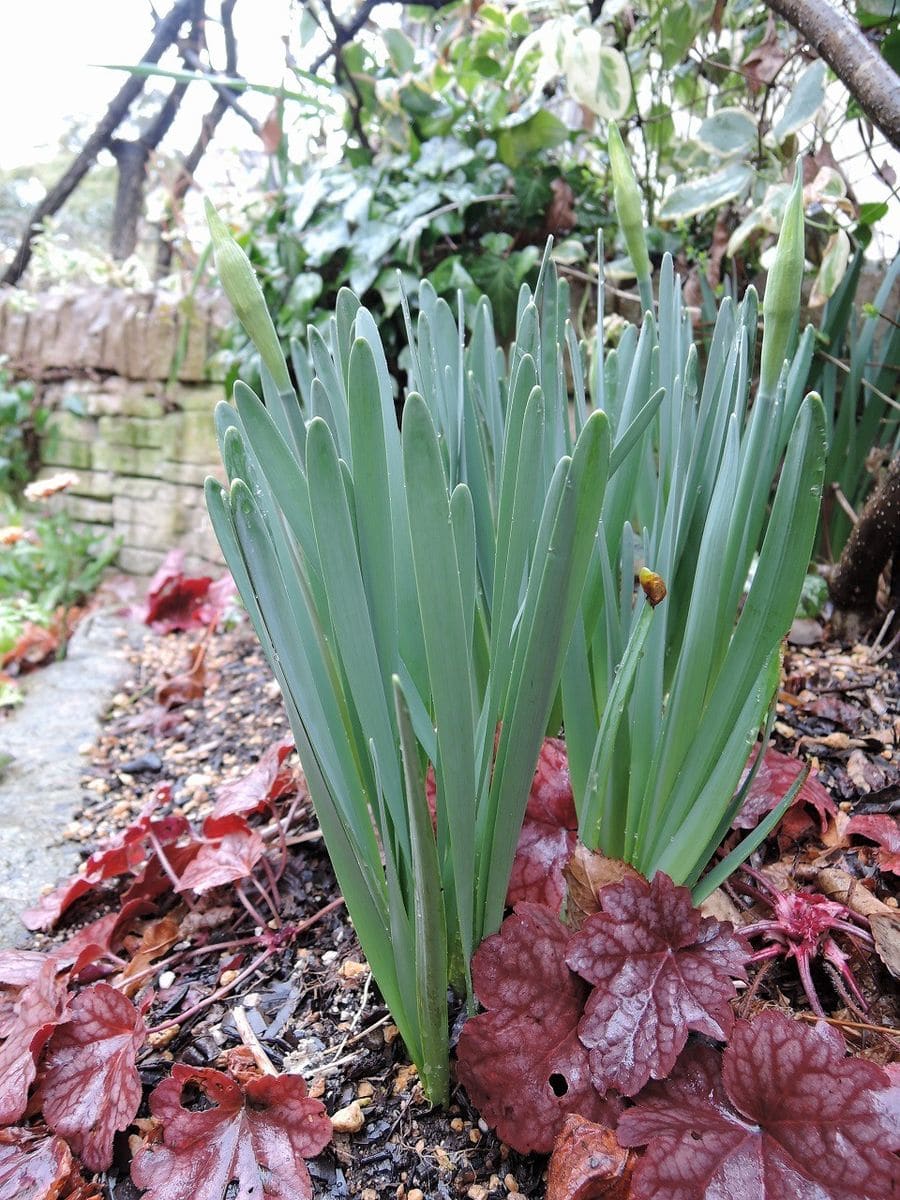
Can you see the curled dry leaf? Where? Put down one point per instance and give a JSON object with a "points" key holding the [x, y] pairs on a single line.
{"points": [[250, 1143], [548, 832], [774, 779], [90, 1087], [40, 1007], [588, 1163], [659, 969], [261, 786], [521, 1061], [176, 601], [35, 1166], [586, 873], [885, 830], [884, 921], [784, 1113]]}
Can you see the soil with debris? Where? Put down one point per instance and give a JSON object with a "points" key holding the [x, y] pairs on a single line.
{"points": [[313, 1008]]}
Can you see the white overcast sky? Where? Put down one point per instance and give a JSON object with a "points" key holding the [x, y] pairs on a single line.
{"points": [[49, 50]]}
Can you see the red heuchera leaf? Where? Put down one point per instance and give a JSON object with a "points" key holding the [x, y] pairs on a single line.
{"points": [[774, 778], [230, 851], [90, 1086], [40, 1007], [257, 1137], [783, 1114], [521, 1061], [34, 1166], [588, 1164], [549, 832], [659, 969], [883, 829], [176, 601], [20, 967], [128, 851], [257, 790]]}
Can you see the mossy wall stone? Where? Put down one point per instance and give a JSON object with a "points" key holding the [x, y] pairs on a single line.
{"points": [[128, 380]]}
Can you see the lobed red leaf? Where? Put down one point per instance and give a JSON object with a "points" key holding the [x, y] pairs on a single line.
{"points": [[549, 832], [261, 786], [251, 1143], [90, 1087], [521, 1061], [39, 1009], [777, 773], [783, 1113], [659, 969], [34, 1166], [883, 829], [229, 852]]}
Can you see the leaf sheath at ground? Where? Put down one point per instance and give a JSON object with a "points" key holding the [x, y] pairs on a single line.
{"points": [[521, 1061], [252, 1143], [659, 969]]}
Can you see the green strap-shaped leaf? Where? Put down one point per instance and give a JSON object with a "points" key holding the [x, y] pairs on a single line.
{"points": [[430, 929], [448, 649]]}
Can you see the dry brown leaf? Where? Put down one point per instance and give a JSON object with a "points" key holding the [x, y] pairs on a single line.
{"points": [[588, 1163], [586, 872]]}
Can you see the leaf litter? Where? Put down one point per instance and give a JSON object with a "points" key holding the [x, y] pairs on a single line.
{"points": [[223, 990]]}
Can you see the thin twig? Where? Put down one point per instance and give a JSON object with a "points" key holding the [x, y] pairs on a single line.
{"points": [[251, 1041]]}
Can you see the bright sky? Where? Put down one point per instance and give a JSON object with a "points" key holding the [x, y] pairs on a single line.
{"points": [[49, 48]]}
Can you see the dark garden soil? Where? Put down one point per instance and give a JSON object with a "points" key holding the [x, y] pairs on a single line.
{"points": [[311, 1008]]}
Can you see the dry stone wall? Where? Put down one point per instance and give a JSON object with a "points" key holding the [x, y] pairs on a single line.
{"points": [[128, 380]]}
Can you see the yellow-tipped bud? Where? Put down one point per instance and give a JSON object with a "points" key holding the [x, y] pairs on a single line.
{"points": [[653, 585], [243, 291]]}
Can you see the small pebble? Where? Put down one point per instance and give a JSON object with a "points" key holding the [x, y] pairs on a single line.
{"points": [[457, 1125], [349, 1120], [474, 1136], [511, 1183], [477, 1192], [415, 1194], [166, 979]]}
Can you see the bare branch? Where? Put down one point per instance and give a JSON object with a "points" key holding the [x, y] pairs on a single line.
{"points": [[836, 38], [166, 33]]}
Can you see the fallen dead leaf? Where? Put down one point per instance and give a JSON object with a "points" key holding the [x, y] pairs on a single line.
{"points": [[586, 872]]}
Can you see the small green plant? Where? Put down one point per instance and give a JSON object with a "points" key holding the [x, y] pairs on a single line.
{"points": [[53, 564], [22, 422], [444, 593]]}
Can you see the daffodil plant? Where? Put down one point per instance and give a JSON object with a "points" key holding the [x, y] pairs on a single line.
{"points": [[438, 595]]}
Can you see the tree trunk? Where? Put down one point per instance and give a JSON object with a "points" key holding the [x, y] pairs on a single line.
{"points": [[873, 543], [837, 39]]}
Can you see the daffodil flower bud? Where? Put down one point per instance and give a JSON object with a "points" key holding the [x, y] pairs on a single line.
{"points": [[243, 291], [781, 301], [629, 211]]}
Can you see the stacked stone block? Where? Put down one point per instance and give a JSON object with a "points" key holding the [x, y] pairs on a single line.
{"points": [[132, 402]]}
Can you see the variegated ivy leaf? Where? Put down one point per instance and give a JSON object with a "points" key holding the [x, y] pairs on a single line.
{"points": [[596, 75], [728, 131], [706, 192], [806, 99], [832, 268]]}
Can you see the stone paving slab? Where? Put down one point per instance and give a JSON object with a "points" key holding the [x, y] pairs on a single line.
{"points": [[40, 787]]}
